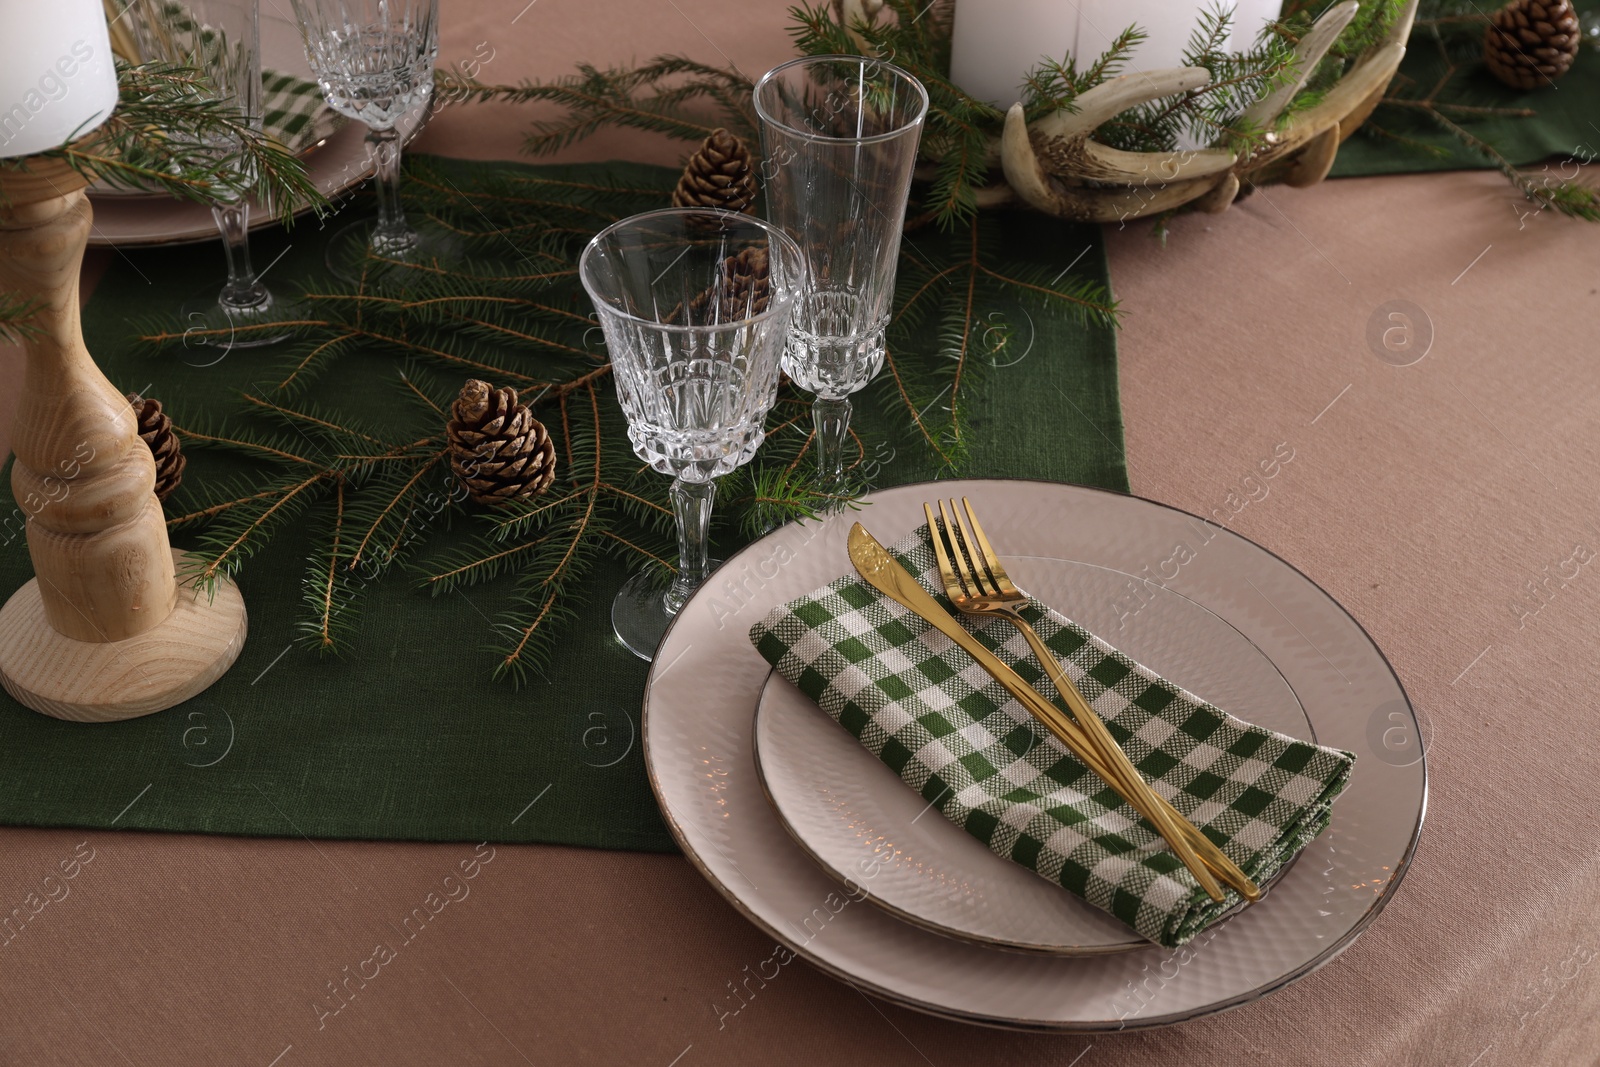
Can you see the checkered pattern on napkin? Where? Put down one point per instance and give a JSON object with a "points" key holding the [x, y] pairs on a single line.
{"points": [[293, 111], [925, 708]]}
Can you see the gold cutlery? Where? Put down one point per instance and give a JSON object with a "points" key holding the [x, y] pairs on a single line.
{"points": [[977, 584], [884, 573]]}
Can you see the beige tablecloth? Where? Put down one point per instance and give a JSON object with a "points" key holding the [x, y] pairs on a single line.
{"points": [[1425, 498]]}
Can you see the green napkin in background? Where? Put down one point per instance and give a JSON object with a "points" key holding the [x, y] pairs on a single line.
{"points": [[293, 111], [926, 708]]}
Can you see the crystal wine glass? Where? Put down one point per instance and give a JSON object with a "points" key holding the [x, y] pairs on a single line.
{"points": [[695, 305], [374, 61], [222, 40], [839, 135]]}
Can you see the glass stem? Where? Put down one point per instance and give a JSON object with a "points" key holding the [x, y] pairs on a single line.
{"points": [[391, 233], [243, 292], [832, 421], [691, 503]]}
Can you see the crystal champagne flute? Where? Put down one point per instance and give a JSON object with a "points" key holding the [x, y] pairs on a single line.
{"points": [[839, 135]]}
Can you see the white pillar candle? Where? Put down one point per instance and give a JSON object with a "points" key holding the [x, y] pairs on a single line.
{"points": [[996, 42], [57, 76]]}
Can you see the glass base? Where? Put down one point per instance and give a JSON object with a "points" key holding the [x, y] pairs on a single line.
{"points": [[350, 250], [639, 615], [211, 327]]}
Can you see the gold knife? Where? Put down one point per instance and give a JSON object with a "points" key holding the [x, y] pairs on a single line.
{"points": [[885, 574]]}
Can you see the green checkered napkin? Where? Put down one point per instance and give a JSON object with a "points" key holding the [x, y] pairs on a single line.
{"points": [[926, 708], [294, 112]]}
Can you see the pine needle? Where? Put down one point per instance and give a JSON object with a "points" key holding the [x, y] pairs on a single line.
{"points": [[163, 136]]}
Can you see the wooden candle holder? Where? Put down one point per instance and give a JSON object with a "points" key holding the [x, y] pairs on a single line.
{"points": [[104, 631]]}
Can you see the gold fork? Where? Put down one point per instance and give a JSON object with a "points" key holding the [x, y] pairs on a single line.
{"points": [[977, 584]]}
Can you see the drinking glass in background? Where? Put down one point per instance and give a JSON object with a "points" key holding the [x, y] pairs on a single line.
{"points": [[839, 135], [374, 61], [222, 40], [695, 305]]}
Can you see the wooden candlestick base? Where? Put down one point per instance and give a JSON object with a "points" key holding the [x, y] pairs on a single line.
{"points": [[101, 681], [104, 631]]}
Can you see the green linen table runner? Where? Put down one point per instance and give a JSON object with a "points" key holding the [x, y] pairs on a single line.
{"points": [[407, 736], [409, 739], [928, 711]]}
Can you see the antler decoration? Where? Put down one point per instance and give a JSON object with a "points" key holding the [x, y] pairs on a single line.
{"points": [[1057, 167]]}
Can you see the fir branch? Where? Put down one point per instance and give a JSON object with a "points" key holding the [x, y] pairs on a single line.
{"points": [[247, 443], [1056, 85], [524, 514], [1213, 113], [964, 322], [1456, 45], [904, 396], [635, 498], [1569, 197], [1082, 300], [223, 495], [308, 418], [470, 566], [654, 98], [777, 496], [322, 584], [532, 644], [170, 132], [663, 564], [412, 388], [1369, 28], [392, 511], [226, 545]]}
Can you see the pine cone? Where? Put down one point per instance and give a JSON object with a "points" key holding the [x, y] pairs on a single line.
{"points": [[744, 292], [1531, 43], [155, 430], [497, 448], [746, 285], [719, 175]]}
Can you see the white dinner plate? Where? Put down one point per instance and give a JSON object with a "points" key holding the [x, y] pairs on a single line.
{"points": [[855, 816], [699, 730]]}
